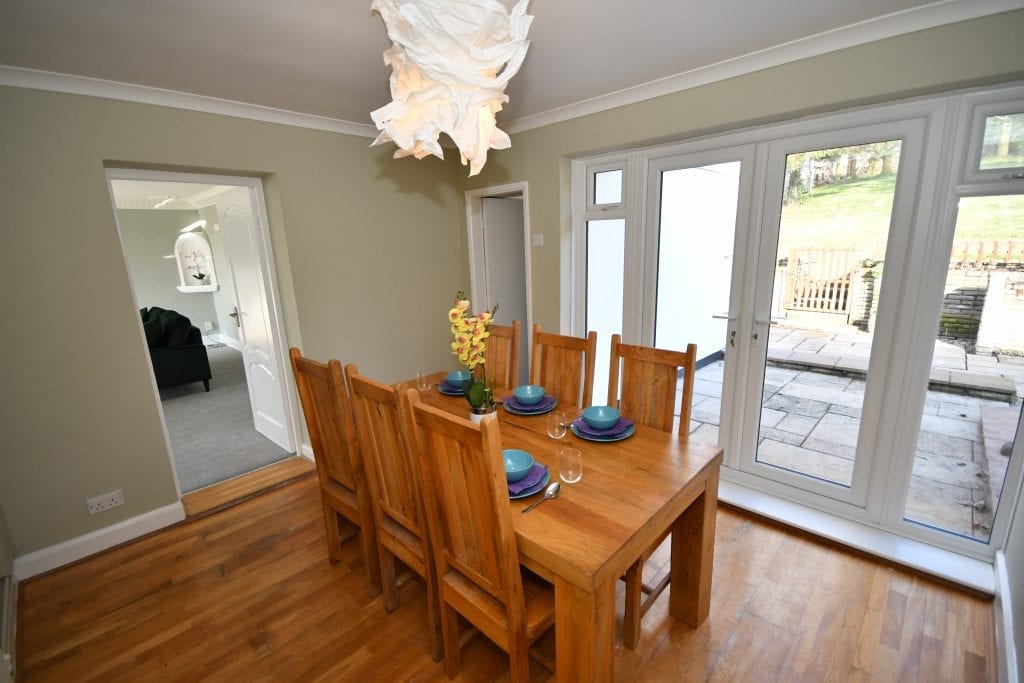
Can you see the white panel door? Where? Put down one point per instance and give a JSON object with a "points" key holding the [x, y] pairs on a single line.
{"points": [[505, 268], [264, 371]]}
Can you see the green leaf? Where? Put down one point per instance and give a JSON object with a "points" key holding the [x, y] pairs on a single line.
{"points": [[477, 394]]}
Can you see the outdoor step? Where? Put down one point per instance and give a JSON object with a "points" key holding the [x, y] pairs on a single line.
{"points": [[940, 379]]}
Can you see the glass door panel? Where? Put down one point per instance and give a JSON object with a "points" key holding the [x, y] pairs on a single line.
{"points": [[837, 206], [696, 232], [976, 386], [606, 245]]}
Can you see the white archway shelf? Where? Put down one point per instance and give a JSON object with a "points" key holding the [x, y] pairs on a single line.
{"points": [[195, 264]]}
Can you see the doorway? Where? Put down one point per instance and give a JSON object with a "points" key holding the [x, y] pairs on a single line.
{"points": [[499, 239], [198, 259]]}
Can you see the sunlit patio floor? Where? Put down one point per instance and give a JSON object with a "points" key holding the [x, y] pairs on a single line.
{"points": [[811, 417]]}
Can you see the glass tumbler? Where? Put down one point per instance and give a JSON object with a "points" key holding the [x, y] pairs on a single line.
{"points": [[423, 381], [556, 424], [570, 465]]}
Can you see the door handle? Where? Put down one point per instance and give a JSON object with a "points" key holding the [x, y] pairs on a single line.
{"points": [[234, 315], [721, 316]]}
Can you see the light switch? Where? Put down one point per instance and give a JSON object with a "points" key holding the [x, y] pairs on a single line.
{"points": [[538, 240]]}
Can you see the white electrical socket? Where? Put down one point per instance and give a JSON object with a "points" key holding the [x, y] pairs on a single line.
{"points": [[105, 502]]}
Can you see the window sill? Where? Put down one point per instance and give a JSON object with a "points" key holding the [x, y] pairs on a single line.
{"points": [[968, 572]]}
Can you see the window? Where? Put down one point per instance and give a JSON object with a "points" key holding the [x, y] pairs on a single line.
{"points": [[835, 331]]}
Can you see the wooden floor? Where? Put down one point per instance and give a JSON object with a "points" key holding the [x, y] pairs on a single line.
{"points": [[247, 593]]}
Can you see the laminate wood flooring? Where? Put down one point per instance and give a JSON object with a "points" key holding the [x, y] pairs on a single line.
{"points": [[247, 594]]}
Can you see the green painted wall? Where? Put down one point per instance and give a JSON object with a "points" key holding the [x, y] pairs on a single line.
{"points": [[368, 251], [987, 50]]}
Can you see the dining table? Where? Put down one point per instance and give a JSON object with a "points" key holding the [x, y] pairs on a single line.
{"points": [[632, 492]]}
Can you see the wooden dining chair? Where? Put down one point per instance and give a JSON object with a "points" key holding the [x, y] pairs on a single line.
{"points": [[643, 382], [564, 366], [502, 366], [472, 539], [343, 490], [395, 496]]}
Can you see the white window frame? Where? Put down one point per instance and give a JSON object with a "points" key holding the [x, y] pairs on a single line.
{"points": [[945, 173]]}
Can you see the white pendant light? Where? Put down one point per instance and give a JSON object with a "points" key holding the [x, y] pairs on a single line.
{"points": [[450, 61]]}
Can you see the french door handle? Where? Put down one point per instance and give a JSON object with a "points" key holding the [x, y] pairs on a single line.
{"points": [[729, 317]]}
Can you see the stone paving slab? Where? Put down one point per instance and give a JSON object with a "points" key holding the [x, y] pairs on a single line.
{"points": [[816, 464], [940, 377], [952, 475]]}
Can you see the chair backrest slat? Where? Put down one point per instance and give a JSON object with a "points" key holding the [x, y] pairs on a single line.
{"points": [[394, 476], [502, 366], [328, 412], [466, 501], [564, 366], [643, 381]]}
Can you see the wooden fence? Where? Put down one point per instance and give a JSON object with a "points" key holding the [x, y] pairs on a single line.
{"points": [[979, 253], [819, 279]]}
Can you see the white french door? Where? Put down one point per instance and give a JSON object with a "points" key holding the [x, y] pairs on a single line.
{"points": [[808, 261], [818, 353], [697, 268]]}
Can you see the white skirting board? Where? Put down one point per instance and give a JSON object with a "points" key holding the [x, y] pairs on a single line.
{"points": [[1006, 649], [307, 452], [75, 549]]}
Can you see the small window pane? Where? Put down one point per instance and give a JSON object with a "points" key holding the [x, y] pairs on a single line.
{"points": [[1003, 145], [608, 187]]}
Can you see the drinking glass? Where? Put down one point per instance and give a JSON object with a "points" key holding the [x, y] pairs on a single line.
{"points": [[570, 465], [423, 381], [556, 424]]}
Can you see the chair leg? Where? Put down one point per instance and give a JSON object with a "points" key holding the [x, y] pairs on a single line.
{"points": [[333, 532], [519, 661], [368, 537], [433, 616], [634, 594], [450, 636], [387, 576]]}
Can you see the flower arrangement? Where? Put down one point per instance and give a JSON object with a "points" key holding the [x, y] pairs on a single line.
{"points": [[470, 346]]}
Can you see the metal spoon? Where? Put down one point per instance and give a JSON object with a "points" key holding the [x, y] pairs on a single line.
{"points": [[549, 493]]}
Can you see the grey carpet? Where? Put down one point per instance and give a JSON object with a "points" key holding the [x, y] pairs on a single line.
{"points": [[212, 433]]}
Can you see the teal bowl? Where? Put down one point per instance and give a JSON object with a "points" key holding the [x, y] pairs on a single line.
{"points": [[528, 394], [457, 378], [601, 417], [517, 463]]}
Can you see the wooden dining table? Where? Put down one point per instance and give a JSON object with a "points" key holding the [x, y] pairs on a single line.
{"points": [[632, 491]]}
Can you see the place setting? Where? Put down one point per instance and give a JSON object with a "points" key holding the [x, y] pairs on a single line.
{"points": [[524, 474], [454, 383], [602, 424], [529, 399], [527, 477]]}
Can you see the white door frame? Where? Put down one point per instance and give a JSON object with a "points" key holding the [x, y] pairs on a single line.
{"points": [[474, 237], [265, 253]]}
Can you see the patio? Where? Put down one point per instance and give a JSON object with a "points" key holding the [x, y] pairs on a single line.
{"points": [[814, 389]]}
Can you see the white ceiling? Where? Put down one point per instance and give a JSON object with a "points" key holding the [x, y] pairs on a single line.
{"points": [[323, 57]]}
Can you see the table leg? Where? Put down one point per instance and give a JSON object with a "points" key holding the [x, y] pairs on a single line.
{"points": [[693, 554], [584, 632]]}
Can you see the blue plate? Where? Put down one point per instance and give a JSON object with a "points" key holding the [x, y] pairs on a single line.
{"points": [[539, 486], [547, 408], [542, 406], [625, 434], [449, 390]]}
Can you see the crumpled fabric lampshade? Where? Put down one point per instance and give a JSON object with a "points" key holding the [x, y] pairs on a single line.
{"points": [[450, 61]]}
